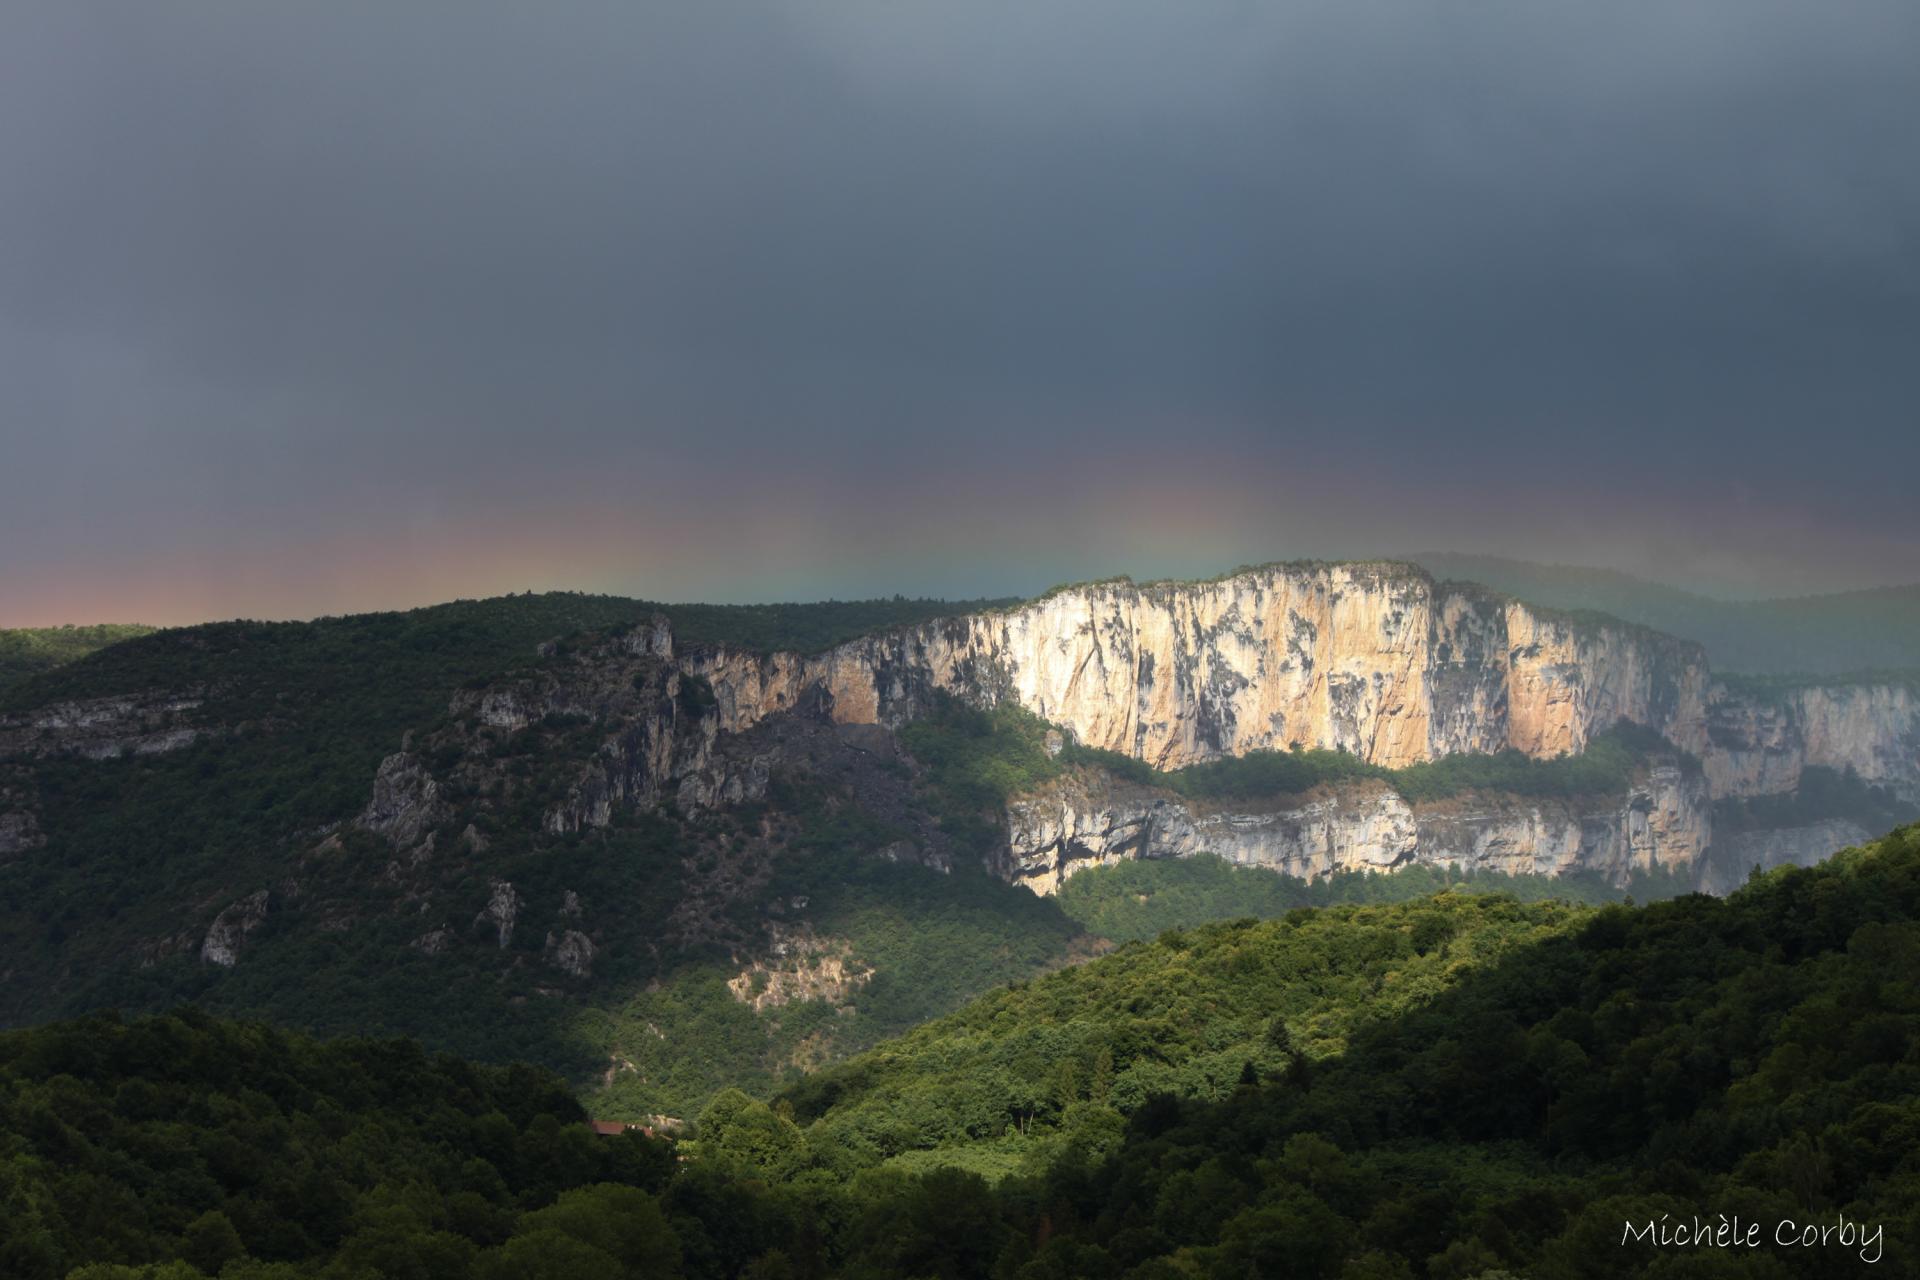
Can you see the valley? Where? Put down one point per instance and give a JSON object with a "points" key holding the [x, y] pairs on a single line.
{"points": [[669, 850], [1458, 1086], [789, 641], [887, 895]]}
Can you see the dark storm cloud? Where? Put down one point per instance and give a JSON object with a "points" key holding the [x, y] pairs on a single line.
{"points": [[283, 267]]}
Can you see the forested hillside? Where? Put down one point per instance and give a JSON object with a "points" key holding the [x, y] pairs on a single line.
{"points": [[237, 1150], [27, 651], [1446, 1089], [1240, 900], [662, 956], [298, 717]]}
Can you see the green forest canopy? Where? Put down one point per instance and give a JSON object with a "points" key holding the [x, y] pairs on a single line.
{"points": [[26, 651], [1459, 1087]]}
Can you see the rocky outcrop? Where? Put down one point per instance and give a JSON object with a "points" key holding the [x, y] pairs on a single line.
{"points": [[653, 727], [501, 913], [567, 948], [571, 952], [228, 934], [799, 965], [406, 803], [592, 685], [104, 728], [1736, 854], [154, 951], [615, 728], [647, 733], [1088, 818], [433, 941]]}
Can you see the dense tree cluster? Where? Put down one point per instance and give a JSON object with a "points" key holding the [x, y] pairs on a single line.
{"points": [[234, 1149], [1427, 1075], [925, 941], [137, 848], [1057, 1063], [111, 911], [1138, 900], [305, 711], [1460, 1087], [980, 757], [1559, 1074], [26, 651]]}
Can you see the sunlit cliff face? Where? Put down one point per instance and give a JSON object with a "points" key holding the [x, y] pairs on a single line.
{"points": [[1363, 658]]}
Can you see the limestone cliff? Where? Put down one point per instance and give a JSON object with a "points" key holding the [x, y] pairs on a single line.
{"points": [[1663, 823], [1088, 818], [1373, 659], [104, 728], [614, 727], [645, 733], [406, 802], [231, 928], [501, 913]]}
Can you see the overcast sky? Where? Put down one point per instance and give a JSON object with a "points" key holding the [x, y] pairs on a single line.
{"points": [[320, 307]]}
